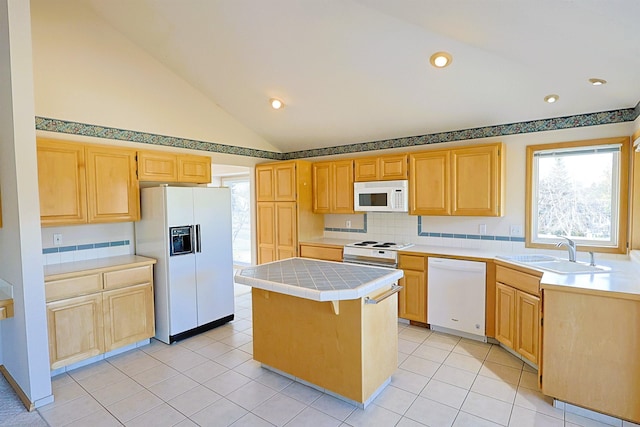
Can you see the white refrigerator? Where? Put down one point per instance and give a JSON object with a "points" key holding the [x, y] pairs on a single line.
{"points": [[188, 230]]}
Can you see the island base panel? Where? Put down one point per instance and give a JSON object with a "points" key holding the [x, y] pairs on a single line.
{"points": [[352, 353]]}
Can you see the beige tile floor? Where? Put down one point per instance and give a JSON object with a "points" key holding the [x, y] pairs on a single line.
{"points": [[212, 380]]}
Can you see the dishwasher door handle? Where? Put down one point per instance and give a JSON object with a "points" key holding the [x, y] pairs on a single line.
{"points": [[394, 290]]}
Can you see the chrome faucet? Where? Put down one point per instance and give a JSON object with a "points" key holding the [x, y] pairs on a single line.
{"points": [[571, 247]]}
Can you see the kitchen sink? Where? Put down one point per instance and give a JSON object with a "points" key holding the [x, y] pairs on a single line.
{"points": [[556, 265], [530, 258]]}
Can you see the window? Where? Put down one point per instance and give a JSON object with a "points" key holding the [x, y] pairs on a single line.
{"points": [[240, 218], [578, 190]]}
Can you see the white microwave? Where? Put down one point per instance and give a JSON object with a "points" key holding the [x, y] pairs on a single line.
{"points": [[381, 196]]}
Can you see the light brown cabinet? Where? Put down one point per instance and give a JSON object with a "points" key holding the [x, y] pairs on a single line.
{"points": [[113, 194], [196, 169], [505, 315], [518, 312], [95, 311], [75, 329], [157, 166], [591, 347], [412, 298], [82, 183], [168, 167], [286, 230], [463, 181], [381, 168], [321, 251], [62, 183], [429, 183], [276, 182], [333, 187], [477, 181], [284, 209], [128, 315]]}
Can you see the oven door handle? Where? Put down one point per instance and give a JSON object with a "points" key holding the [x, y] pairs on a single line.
{"points": [[394, 290]]}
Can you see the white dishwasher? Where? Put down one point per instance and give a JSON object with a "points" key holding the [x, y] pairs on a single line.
{"points": [[456, 297]]}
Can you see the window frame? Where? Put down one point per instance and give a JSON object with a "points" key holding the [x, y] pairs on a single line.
{"points": [[623, 192]]}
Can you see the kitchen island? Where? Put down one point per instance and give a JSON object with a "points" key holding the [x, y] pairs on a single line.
{"points": [[331, 325]]}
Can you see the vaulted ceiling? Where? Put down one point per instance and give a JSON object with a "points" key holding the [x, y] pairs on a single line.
{"points": [[352, 71]]}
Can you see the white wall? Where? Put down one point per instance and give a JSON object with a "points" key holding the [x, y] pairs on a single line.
{"points": [[25, 352], [403, 227], [86, 71]]}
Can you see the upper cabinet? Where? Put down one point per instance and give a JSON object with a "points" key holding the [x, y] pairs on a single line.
{"points": [[113, 194], [333, 187], [196, 169], [62, 183], [157, 166], [462, 181], [88, 183], [81, 184], [381, 168], [168, 167], [276, 182], [429, 183], [477, 180]]}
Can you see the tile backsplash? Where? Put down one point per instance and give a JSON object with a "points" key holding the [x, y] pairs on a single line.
{"points": [[60, 254], [404, 228], [87, 241]]}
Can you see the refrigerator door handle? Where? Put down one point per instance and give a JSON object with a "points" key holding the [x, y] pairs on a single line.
{"points": [[198, 243]]}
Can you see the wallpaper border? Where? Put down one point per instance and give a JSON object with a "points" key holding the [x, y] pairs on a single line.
{"points": [[75, 128], [542, 125]]}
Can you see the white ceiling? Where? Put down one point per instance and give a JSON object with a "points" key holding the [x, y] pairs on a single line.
{"points": [[358, 70]]}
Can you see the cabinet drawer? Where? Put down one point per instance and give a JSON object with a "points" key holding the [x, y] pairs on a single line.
{"points": [[321, 252], [519, 280], [412, 262], [130, 276], [84, 285]]}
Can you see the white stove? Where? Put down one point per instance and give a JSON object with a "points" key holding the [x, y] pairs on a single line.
{"points": [[369, 252]]}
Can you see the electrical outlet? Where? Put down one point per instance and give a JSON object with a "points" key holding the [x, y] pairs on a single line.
{"points": [[347, 224], [516, 230], [482, 229], [57, 239]]}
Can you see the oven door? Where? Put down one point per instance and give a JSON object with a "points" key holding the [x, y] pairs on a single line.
{"points": [[181, 240], [368, 256]]}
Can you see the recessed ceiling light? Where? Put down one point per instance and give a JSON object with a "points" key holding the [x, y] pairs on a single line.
{"points": [[551, 98], [597, 82], [441, 59], [276, 104]]}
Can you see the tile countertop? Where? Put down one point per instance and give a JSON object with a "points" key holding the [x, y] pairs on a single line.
{"points": [[318, 280], [623, 280], [58, 271]]}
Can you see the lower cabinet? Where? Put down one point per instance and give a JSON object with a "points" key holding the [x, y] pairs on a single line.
{"points": [[86, 318], [75, 329], [412, 299], [319, 251], [518, 313], [128, 315]]}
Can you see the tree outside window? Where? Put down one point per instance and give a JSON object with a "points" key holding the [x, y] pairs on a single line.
{"points": [[578, 191]]}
